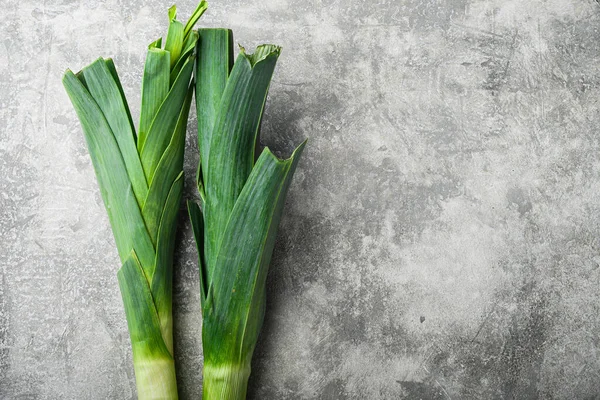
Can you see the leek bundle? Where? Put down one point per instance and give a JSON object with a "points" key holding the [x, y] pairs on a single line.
{"points": [[241, 198], [141, 180]]}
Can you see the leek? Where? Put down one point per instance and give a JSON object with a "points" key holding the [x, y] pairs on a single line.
{"points": [[241, 203], [141, 180]]}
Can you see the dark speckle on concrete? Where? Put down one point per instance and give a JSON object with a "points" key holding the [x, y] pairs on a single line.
{"points": [[441, 238], [517, 197], [422, 390]]}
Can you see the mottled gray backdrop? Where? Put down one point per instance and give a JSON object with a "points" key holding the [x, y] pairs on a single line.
{"points": [[441, 239]]}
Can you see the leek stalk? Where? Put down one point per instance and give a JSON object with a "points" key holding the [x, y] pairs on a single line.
{"points": [[140, 175], [241, 203]]}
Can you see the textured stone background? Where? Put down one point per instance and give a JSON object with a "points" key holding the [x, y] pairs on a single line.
{"points": [[442, 236]]}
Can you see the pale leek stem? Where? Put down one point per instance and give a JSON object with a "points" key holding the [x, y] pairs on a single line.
{"points": [[225, 382]]}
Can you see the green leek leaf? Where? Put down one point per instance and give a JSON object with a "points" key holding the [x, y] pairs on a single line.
{"points": [[162, 280], [232, 143], [175, 36], [124, 214], [169, 167], [155, 87], [213, 63], [232, 324], [194, 18], [165, 121], [107, 92]]}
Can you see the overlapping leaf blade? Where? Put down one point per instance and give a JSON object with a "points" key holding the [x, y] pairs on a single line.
{"points": [[123, 211], [213, 63], [143, 321], [169, 166], [107, 92], [162, 281], [231, 152], [233, 316], [155, 86], [175, 36], [165, 120], [187, 50], [155, 379], [200, 9]]}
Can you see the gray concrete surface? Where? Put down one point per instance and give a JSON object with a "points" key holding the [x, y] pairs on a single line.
{"points": [[441, 238]]}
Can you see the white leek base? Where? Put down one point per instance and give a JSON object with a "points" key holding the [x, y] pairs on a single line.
{"points": [[225, 382], [155, 379]]}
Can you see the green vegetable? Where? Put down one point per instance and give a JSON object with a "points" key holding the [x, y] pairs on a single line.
{"points": [[242, 200], [141, 181]]}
